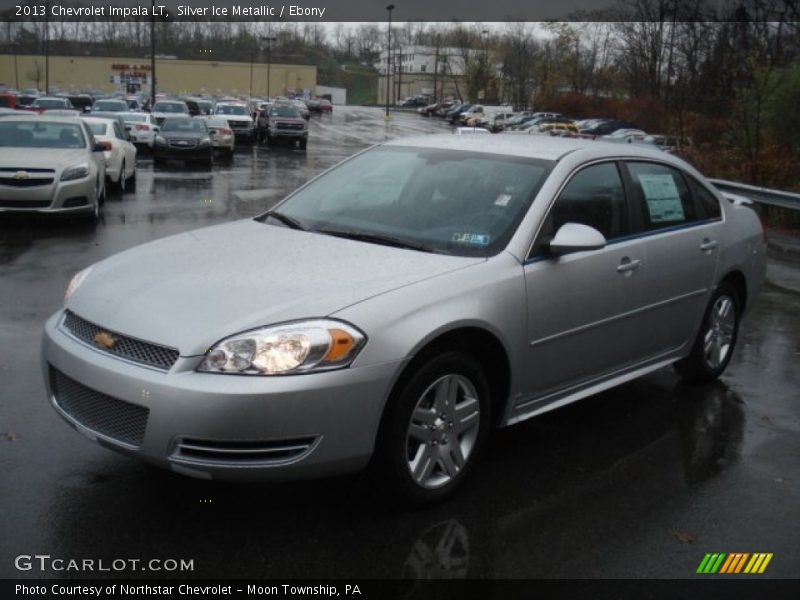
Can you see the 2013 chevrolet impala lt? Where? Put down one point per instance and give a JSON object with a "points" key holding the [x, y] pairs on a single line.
{"points": [[395, 309]]}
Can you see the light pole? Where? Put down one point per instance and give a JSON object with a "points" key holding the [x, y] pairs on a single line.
{"points": [[389, 8], [47, 50], [269, 39], [252, 58], [485, 37], [153, 55], [15, 46]]}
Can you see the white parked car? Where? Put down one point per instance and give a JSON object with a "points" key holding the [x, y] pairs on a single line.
{"points": [[222, 136], [470, 130], [142, 128], [119, 153]]}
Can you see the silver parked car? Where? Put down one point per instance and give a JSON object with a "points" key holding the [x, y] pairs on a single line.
{"points": [[50, 165], [398, 307]]}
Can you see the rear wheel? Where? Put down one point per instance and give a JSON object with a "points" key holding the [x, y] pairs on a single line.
{"points": [[715, 342], [122, 181], [433, 430]]}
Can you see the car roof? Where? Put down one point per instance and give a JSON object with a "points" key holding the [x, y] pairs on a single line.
{"points": [[529, 146], [32, 116], [105, 120]]}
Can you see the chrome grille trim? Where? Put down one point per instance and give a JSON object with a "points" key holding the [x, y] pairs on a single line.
{"points": [[139, 351], [109, 417], [242, 453]]}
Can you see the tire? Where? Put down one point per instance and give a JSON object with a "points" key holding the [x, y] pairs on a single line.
{"points": [[303, 144], [433, 430], [132, 178], [713, 347], [122, 181]]}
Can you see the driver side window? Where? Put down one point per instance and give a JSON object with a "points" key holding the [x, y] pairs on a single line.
{"points": [[595, 197]]}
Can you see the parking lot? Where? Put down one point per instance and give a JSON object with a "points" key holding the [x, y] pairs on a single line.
{"points": [[639, 481]]}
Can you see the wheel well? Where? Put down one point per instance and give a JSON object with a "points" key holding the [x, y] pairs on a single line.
{"points": [[482, 345], [737, 280]]}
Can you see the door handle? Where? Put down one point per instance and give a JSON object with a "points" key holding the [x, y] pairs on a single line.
{"points": [[708, 245], [627, 266]]}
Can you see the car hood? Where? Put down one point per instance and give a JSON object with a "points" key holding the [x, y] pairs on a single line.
{"points": [[41, 158], [190, 290]]}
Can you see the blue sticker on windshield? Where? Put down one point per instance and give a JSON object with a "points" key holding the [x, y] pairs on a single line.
{"points": [[478, 239]]}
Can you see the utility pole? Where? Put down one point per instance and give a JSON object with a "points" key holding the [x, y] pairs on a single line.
{"points": [[389, 8], [436, 70], [153, 54], [47, 49], [15, 45], [269, 39]]}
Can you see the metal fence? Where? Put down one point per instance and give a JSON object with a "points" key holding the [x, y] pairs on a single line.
{"points": [[759, 195]]}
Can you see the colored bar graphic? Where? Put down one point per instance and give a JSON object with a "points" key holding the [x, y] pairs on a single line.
{"points": [[765, 563], [727, 564], [734, 563]]}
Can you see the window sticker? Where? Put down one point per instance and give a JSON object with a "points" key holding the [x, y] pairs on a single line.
{"points": [[477, 239], [662, 197], [502, 200]]}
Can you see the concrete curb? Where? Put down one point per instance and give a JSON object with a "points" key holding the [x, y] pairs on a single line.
{"points": [[783, 275]]}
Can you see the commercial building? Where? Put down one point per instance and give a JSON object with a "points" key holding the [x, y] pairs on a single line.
{"points": [[110, 74]]}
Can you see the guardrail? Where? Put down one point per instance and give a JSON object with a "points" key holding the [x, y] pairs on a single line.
{"points": [[759, 195]]}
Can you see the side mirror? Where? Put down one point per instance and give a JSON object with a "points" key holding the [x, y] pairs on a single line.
{"points": [[576, 237]]}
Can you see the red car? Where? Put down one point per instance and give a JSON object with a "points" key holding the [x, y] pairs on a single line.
{"points": [[8, 101]]}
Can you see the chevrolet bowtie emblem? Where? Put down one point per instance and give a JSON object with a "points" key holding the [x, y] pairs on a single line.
{"points": [[105, 340], [20, 175]]}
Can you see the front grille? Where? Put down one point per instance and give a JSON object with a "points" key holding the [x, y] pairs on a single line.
{"points": [[146, 353], [290, 126], [26, 183], [103, 414], [240, 125], [243, 453], [183, 144], [24, 203]]}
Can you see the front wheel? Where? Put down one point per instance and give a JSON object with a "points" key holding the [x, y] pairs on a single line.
{"points": [[433, 430], [713, 348]]}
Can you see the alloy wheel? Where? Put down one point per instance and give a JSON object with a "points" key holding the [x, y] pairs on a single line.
{"points": [[442, 431], [718, 338]]}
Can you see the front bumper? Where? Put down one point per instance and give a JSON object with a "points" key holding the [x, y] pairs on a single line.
{"points": [[289, 133], [58, 197], [335, 414]]}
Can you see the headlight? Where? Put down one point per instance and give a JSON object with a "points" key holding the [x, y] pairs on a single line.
{"points": [[75, 282], [300, 347], [160, 140], [75, 172], [205, 141]]}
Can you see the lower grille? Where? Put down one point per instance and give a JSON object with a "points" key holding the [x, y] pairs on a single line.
{"points": [[241, 452], [24, 203], [130, 348], [76, 201], [111, 417]]}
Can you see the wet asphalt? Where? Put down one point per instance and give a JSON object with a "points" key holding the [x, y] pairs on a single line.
{"points": [[639, 481]]}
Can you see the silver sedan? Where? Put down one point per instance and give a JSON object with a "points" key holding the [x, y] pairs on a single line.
{"points": [[394, 310], [50, 165]]}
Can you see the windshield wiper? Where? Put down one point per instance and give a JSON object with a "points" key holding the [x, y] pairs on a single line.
{"points": [[377, 238], [286, 220]]}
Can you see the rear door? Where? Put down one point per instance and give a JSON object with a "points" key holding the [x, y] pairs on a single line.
{"points": [[682, 230]]}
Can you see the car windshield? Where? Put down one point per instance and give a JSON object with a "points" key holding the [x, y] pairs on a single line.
{"points": [[233, 110], [110, 105], [38, 134], [183, 125], [135, 118], [50, 103], [170, 107], [284, 111], [447, 201]]}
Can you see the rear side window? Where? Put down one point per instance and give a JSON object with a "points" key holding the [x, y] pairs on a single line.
{"points": [[664, 196], [594, 197], [706, 202]]}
